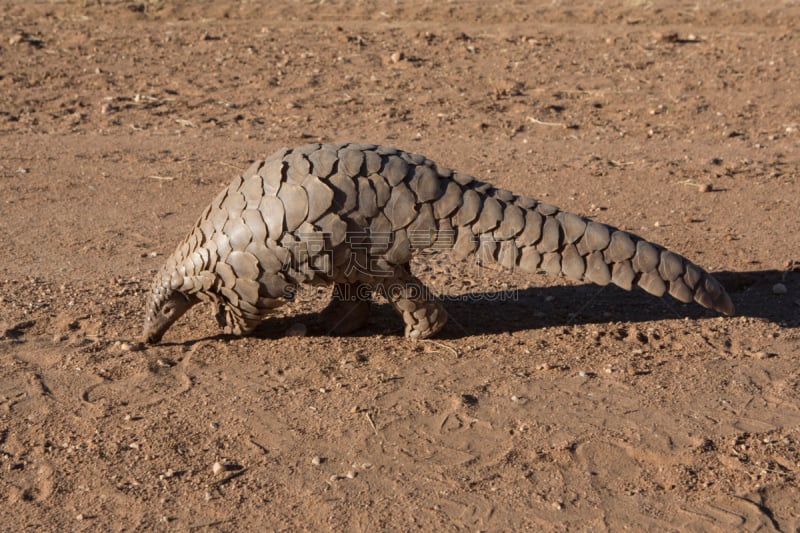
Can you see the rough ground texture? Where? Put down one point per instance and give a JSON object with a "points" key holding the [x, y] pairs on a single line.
{"points": [[542, 404]]}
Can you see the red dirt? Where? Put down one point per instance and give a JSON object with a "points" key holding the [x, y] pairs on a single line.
{"points": [[543, 404]]}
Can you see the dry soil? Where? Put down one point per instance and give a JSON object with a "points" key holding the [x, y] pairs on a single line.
{"points": [[543, 405]]}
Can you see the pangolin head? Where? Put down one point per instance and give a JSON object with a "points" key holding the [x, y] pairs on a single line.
{"points": [[164, 306]]}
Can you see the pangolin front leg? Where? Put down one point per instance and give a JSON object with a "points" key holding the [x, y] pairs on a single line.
{"points": [[354, 215]]}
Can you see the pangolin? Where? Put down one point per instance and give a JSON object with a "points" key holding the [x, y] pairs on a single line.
{"points": [[352, 215]]}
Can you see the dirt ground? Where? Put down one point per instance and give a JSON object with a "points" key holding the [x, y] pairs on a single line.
{"points": [[543, 405]]}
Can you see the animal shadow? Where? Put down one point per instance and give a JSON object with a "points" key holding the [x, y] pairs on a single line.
{"points": [[477, 313]]}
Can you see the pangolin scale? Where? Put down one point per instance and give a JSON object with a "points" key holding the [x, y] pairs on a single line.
{"points": [[352, 215]]}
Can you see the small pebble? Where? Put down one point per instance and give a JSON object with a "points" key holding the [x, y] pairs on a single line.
{"points": [[582, 374], [705, 187], [396, 57], [468, 399], [351, 474], [79, 517], [217, 468], [316, 460], [779, 288]]}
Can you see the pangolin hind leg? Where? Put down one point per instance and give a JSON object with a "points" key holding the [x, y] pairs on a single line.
{"points": [[349, 308], [422, 314]]}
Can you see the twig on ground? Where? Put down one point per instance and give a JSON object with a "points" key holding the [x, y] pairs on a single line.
{"points": [[443, 345], [543, 123], [371, 423]]}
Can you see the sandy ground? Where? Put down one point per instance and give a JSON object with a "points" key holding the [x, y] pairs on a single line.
{"points": [[543, 404]]}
